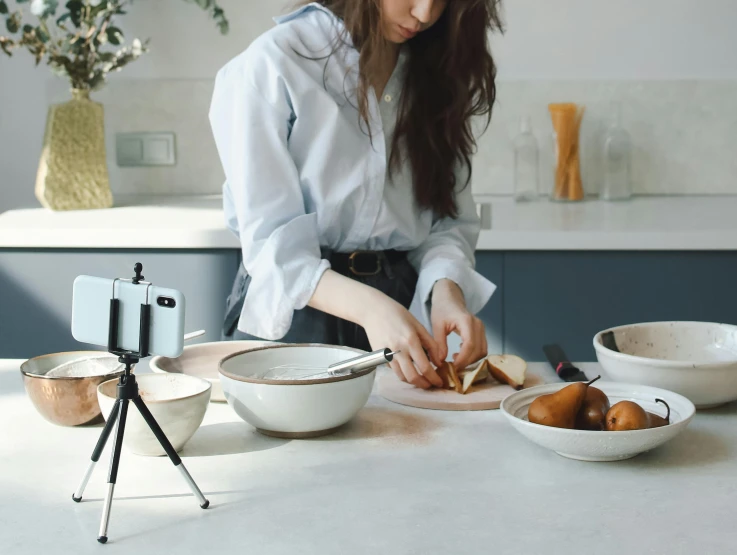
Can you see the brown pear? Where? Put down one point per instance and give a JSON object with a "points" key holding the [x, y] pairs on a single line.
{"points": [[559, 409], [592, 414], [656, 421], [625, 416]]}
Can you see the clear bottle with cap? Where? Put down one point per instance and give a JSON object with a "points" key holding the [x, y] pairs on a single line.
{"points": [[526, 163], [616, 158]]}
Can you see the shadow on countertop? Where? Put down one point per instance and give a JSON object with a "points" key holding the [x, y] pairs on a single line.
{"points": [[228, 438]]}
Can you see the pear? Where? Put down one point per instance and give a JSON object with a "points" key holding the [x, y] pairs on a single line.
{"points": [[592, 414], [509, 369], [625, 416], [559, 409], [447, 372], [656, 421], [471, 377]]}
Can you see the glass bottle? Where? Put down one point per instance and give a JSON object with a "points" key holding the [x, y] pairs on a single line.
{"points": [[616, 158], [526, 163]]}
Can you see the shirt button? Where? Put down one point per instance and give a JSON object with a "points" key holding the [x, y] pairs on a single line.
{"points": [[387, 98]]}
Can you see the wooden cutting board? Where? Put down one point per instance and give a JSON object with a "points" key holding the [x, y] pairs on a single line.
{"points": [[484, 396]]}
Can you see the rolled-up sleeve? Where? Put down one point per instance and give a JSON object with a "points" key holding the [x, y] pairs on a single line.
{"points": [[279, 240], [448, 253]]}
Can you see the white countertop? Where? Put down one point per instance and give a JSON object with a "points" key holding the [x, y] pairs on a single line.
{"points": [[644, 223], [394, 481]]}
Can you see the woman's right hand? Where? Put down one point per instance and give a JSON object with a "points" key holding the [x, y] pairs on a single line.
{"points": [[389, 324]]}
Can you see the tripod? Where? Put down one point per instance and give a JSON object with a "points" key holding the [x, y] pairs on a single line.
{"points": [[127, 390]]}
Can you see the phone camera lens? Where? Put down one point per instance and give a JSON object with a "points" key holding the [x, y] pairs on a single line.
{"points": [[166, 302]]}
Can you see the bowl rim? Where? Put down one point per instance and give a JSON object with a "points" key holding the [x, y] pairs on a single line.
{"points": [[159, 375], [28, 374], [670, 394], [624, 357], [154, 362], [262, 381]]}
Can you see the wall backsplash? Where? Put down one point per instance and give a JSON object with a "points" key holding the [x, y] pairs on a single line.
{"points": [[681, 130], [179, 106]]}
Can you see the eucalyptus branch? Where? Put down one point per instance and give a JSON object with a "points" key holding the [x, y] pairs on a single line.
{"points": [[81, 42]]}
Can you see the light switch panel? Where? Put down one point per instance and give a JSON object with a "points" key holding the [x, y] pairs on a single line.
{"points": [[145, 149]]}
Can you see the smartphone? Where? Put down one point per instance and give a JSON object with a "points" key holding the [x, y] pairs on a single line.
{"points": [[91, 314]]}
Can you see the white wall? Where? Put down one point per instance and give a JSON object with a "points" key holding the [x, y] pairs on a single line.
{"points": [[619, 39], [547, 40]]}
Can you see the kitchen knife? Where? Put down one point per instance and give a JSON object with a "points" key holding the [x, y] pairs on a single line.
{"points": [[562, 366]]}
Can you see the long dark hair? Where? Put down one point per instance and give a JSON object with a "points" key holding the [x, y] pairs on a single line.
{"points": [[450, 79]]}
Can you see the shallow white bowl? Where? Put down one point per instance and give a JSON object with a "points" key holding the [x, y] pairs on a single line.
{"points": [[601, 446], [696, 359], [202, 360], [299, 408], [177, 402]]}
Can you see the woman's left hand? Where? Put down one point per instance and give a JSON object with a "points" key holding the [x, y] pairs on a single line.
{"points": [[449, 314]]}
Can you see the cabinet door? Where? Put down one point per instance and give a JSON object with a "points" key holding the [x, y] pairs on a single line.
{"points": [[567, 298], [490, 265], [36, 291]]}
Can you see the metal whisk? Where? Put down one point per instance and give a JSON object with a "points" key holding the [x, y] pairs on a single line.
{"points": [[344, 368]]}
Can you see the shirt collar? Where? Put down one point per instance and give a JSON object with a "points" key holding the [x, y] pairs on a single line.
{"points": [[304, 9]]}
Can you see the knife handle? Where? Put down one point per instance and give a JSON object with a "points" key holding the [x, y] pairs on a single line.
{"points": [[559, 361]]}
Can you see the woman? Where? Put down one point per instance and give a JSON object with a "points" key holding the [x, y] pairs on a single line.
{"points": [[345, 135]]}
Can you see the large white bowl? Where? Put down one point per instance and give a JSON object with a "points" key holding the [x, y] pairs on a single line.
{"points": [[177, 402], [298, 408], [586, 445], [202, 360], [696, 359]]}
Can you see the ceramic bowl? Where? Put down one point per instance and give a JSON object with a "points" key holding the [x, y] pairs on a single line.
{"points": [[696, 359], [66, 401], [601, 446], [177, 402], [202, 360], [298, 408]]}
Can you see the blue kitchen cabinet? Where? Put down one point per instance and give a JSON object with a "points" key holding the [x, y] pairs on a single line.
{"points": [[567, 297], [491, 266], [36, 291]]}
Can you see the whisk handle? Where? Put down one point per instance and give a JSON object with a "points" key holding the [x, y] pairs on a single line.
{"points": [[361, 362]]}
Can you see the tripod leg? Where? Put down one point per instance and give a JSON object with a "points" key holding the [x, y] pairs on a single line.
{"points": [[111, 420], [114, 462], [164, 441]]}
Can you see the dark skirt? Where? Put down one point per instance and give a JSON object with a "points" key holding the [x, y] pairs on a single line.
{"points": [[397, 279]]}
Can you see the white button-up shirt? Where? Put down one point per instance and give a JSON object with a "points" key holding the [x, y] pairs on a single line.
{"points": [[302, 171]]}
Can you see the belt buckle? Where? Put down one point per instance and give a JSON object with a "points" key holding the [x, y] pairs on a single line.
{"points": [[352, 263]]}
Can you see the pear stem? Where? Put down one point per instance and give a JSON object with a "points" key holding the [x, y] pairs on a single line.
{"points": [[667, 406], [592, 381]]}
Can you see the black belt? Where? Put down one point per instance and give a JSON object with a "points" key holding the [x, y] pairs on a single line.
{"points": [[366, 263]]}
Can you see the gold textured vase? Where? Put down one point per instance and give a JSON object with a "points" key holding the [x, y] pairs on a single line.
{"points": [[72, 173]]}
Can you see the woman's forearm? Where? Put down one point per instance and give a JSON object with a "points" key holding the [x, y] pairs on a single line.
{"points": [[343, 297]]}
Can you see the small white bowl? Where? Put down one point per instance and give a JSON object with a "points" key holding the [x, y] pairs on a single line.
{"points": [[696, 359], [586, 445], [177, 402], [202, 360], [297, 408]]}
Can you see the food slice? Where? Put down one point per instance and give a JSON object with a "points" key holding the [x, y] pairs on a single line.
{"points": [[479, 374], [457, 383], [445, 374], [509, 369]]}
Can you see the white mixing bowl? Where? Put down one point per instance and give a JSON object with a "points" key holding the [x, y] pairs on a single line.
{"points": [[587, 445], [297, 408], [177, 402], [696, 359]]}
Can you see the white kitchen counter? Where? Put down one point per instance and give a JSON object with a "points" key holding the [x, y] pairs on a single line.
{"points": [[395, 481], [644, 223]]}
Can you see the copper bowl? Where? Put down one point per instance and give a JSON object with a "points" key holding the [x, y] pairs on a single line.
{"points": [[62, 400]]}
